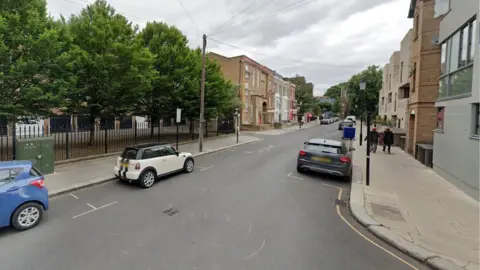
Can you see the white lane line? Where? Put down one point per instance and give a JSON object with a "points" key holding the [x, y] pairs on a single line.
{"points": [[256, 252], [204, 169], [91, 206], [96, 209], [71, 194], [339, 197], [290, 175], [249, 229]]}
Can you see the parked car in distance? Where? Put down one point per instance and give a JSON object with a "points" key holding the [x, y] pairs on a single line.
{"points": [[324, 121], [352, 118], [23, 195], [326, 156], [345, 123], [144, 163]]}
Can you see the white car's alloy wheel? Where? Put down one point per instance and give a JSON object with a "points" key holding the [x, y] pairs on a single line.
{"points": [[28, 217], [189, 165], [148, 179]]}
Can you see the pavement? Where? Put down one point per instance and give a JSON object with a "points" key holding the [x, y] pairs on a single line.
{"points": [[74, 176], [245, 207], [293, 128], [415, 210]]}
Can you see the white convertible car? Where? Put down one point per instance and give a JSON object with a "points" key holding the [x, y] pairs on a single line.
{"points": [[144, 163]]}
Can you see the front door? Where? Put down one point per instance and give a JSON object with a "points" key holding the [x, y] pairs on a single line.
{"points": [[173, 161], [10, 194]]}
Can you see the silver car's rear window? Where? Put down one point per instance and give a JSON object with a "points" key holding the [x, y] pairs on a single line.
{"points": [[330, 149]]}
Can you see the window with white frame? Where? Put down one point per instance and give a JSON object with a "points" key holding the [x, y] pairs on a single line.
{"points": [[441, 7], [476, 118], [246, 86], [440, 118], [457, 62]]}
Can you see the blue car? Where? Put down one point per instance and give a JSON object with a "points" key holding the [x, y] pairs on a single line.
{"points": [[23, 196]]}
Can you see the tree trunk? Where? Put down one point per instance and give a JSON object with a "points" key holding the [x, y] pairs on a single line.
{"points": [[152, 128], [92, 130]]}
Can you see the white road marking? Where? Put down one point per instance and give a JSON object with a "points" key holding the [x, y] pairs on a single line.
{"points": [[204, 169], [249, 229], [290, 175], [71, 194], [91, 206], [256, 252], [96, 209], [339, 197]]}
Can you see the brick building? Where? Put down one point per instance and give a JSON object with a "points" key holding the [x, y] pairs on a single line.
{"points": [[424, 73], [255, 83]]}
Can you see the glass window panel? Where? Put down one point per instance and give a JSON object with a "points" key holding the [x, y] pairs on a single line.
{"points": [[443, 58], [443, 90], [464, 46], [454, 52], [473, 42], [461, 82]]}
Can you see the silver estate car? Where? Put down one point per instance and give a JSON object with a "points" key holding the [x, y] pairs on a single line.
{"points": [[326, 156]]}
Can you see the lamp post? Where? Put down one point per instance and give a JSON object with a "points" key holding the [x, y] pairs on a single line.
{"points": [[362, 89], [238, 122]]}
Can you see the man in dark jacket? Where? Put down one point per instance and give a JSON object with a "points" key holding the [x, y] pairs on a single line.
{"points": [[387, 139], [373, 140]]}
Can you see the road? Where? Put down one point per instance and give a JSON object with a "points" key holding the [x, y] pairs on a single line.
{"points": [[243, 208]]}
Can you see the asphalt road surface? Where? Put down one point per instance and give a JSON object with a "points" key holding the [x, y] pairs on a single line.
{"points": [[243, 208]]}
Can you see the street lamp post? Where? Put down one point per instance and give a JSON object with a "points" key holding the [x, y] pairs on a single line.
{"points": [[238, 122], [362, 89]]}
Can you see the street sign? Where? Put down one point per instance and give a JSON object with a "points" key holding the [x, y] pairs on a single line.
{"points": [[179, 115]]}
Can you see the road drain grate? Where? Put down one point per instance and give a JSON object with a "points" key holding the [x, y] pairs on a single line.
{"points": [[340, 202], [170, 212]]}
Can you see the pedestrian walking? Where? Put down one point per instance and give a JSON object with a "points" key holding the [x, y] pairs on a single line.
{"points": [[373, 140], [387, 140]]}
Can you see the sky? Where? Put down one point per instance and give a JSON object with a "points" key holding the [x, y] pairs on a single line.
{"points": [[327, 41]]}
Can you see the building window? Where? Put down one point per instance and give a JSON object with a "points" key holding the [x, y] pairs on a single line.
{"points": [[246, 67], [476, 117], [471, 40], [443, 59], [247, 76], [417, 18], [389, 81], [389, 97], [414, 77], [395, 103], [401, 71], [246, 86], [440, 117], [383, 100], [441, 7], [457, 63]]}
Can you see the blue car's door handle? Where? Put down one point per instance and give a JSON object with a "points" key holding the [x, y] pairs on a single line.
{"points": [[13, 189]]}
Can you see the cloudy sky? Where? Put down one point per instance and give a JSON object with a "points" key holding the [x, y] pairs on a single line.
{"points": [[325, 40]]}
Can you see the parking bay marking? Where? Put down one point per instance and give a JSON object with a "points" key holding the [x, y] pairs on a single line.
{"points": [[290, 175], [206, 168], [94, 209]]}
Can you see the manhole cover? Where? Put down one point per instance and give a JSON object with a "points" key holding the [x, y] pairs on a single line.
{"points": [[170, 212], [387, 211]]}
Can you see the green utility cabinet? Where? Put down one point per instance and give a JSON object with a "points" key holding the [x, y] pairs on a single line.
{"points": [[38, 150]]}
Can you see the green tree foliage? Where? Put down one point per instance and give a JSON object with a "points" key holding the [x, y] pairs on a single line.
{"points": [[30, 78], [111, 70], [325, 106], [176, 70], [336, 90], [317, 110], [336, 108], [303, 93], [373, 78]]}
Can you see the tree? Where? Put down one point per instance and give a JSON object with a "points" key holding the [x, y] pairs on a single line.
{"points": [[30, 78], [335, 91], [373, 78], [317, 110], [176, 70], [325, 106], [111, 70], [303, 93], [336, 106]]}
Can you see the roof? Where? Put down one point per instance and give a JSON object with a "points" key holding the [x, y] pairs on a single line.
{"points": [[15, 163], [325, 141], [411, 10], [148, 145]]}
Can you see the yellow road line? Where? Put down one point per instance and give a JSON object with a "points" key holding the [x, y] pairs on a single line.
{"points": [[340, 192]]}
